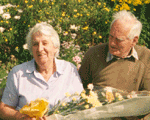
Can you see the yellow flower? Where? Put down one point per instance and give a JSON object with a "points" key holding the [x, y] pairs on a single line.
{"points": [[30, 6], [107, 9], [78, 14], [76, 93], [8, 10], [36, 108], [6, 40], [2, 21], [41, 0], [74, 99], [109, 96], [52, 3], [94, 33], [129, 1], [93, 94], [7, 22], [75, 10], [97, 104], [26, 1], [81, 14], [147, 2], [75, 16], [119, 96], [64, 104], [87, 14], [79, 1], [134, 9], [67, 94], [46, 1], [98, 3], [33, 0], [28, 25], [64, 3], [57, 111], [17, 5], [106, 22], [90, 100], [85, 28], [83, 95], [86, 106], [100, 36], [83, 91], [10, 29], [63, 14]]}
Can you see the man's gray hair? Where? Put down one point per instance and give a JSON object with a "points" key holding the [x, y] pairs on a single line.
{"points": [[45, 29], [126, 15]]}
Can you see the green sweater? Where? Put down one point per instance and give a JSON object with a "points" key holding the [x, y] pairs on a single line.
{"points": [[126, 74]]}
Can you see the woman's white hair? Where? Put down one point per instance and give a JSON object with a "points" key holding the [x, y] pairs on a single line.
{"points": [[128, 16], [45, 29]]}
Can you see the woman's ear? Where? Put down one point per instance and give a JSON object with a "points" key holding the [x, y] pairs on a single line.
{"points": [[135, 41]]}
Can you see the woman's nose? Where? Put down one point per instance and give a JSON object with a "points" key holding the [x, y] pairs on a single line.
{"points": [[40, 47]]}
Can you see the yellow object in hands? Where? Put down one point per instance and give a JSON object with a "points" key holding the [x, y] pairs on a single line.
{"points": [[36, 108]]}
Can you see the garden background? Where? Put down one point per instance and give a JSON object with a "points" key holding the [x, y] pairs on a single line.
{"points": [[79, 23]]}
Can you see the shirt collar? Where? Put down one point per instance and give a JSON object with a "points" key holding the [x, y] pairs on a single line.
{"points": [[134, 54], [31, 66]]}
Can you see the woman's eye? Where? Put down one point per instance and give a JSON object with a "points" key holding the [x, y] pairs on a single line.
{"points": [[44, 43], [34, 44]]}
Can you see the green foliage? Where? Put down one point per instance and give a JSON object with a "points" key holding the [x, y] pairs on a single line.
{"points": [[82, 23]]}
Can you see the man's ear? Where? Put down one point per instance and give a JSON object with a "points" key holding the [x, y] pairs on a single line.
{"points": [[135, 40]]}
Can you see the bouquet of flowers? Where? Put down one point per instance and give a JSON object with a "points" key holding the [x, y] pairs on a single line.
{"points": [[99, 103]]}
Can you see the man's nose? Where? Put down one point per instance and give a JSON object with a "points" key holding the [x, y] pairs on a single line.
{"points": [[113, 41]]}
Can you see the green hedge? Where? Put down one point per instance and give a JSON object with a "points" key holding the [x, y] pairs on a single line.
{"points": [[79, 23]]}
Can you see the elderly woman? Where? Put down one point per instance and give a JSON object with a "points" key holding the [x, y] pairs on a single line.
{"points": [[43, 77]]}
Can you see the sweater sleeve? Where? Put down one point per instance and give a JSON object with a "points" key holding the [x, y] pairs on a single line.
{"points": [[85, 70]]}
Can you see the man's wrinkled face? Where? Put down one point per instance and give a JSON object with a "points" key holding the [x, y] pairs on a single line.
{"points": [[119, 43]]}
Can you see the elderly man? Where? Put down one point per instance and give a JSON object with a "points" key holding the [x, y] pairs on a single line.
{"points": [[120, 63]]}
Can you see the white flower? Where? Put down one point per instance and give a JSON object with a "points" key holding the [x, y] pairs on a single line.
{"points": [[2, 29], [132, 95], [25, 46], [90, 86], [73, 27], [76, 59], [1, 9], [108, 89], [10, 5], [73, 35], [17, 17], [6, 16], [20, 11]]}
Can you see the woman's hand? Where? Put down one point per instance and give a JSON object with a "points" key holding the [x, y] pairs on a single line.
{"points": [[43, 118]]}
